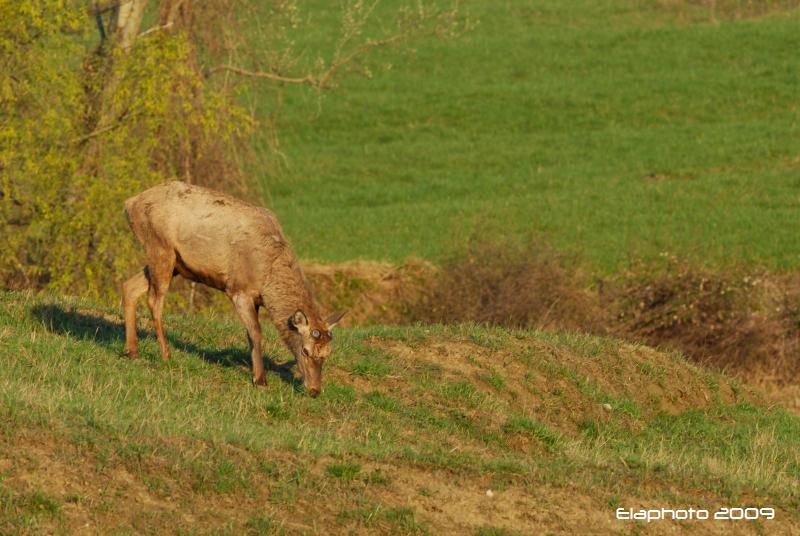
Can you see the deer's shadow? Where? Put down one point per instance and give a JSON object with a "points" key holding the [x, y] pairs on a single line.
{"points": [[108, 330]]}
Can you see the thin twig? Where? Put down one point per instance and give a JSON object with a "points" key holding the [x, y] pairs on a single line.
{"points": [[95, 133], [166, 26], [320, 81], [308, 79], [360, 49]]}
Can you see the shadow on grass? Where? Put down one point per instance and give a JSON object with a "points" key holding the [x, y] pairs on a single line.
{"points": [[109, 331]]}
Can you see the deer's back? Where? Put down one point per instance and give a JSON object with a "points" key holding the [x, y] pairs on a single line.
{"points": [[223, 241]]}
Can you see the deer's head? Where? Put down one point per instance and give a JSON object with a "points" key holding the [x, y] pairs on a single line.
{"points": [[311, 346]]}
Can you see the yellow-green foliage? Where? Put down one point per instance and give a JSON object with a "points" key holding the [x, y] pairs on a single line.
{"points": [[64, 179], [40, 107], [166, 110]]}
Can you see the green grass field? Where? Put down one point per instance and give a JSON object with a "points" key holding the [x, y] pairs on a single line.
{"points": [[415, 424], [618, 129]]}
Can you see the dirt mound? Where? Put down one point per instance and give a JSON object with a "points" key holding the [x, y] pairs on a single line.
{"points": [[741, 320], [372, 292], [566, 384]]}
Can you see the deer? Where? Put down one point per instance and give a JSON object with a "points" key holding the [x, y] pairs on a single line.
{"points": [[212, 238]]}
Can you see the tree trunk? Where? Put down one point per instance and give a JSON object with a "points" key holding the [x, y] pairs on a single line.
{"points": [[128, 22], [173, 12]]}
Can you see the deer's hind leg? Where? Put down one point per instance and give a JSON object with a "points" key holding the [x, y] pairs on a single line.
{"points": [[160, 269], [132, 290]]}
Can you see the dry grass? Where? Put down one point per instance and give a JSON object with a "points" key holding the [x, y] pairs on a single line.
{"points": [[371, 292]]}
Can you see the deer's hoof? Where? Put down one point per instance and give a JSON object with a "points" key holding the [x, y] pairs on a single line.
{"points": [[131, 354], [261, 381]]}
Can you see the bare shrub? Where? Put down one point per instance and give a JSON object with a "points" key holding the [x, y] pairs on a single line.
{"points": [[510, 284], [742, 320]]}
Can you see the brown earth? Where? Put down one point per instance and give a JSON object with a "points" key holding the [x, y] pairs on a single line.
{"points": [[454, 507], [371, 292], [96, 500]]}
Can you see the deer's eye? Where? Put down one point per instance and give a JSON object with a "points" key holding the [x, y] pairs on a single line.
{"points": [[315, 334]]}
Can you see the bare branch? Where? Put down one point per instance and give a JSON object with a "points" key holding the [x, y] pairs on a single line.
{"points": [[308, 79], [364, 47], [166, 26], [320, 81], [95, 133]]}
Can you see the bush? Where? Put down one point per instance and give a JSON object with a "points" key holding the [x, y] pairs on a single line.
{"points": [[507, 283], [737, 319]]}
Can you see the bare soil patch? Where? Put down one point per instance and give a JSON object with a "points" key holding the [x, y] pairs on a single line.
{"points": [[457, 506], [450, 504], [96, 499], [371, 292], [721, 10]]}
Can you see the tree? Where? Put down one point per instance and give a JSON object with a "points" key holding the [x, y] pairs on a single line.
{"points": [[144, 105]]}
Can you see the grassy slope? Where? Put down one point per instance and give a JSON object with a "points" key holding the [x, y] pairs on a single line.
{"points": [[414, 425], [551, 117]]}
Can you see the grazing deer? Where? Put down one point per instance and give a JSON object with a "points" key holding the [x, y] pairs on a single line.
{"points": [[230, 245]]}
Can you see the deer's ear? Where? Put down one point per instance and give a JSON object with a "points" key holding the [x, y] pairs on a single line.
{"points": [[334, 319], [298, 321]]}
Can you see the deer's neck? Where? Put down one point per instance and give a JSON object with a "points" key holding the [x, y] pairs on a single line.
{"points": [[287, 292]]}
